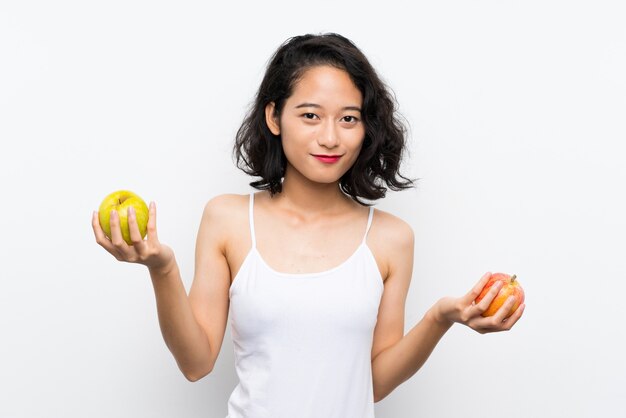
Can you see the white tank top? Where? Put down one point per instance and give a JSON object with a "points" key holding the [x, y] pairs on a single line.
{"points": [[303, 342]]}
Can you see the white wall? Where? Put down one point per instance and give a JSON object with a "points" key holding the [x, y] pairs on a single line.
{"points": [[517, 114]]}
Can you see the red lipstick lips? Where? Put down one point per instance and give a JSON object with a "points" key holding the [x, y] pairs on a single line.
{"points": [[329, 159]]}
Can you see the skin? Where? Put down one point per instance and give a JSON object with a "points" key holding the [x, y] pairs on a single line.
{"points": [[320, 117]]}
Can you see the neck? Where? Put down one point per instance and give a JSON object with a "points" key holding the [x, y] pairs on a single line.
{"points": [[302, 195]]}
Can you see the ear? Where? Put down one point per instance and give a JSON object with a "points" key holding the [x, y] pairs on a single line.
{"points": [[270, 118]]}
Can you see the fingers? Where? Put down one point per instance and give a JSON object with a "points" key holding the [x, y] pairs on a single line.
{"points": [[138, 249], [516, 315], [478, 287], [99, 233], [116, 231], [152, 231], [472, 312], [500, 316], [101, 238], [135, 234], [483, 305], [499, 321], [117, 239]]}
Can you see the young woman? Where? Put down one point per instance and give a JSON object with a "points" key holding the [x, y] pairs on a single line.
{"points": [[314, 278]]}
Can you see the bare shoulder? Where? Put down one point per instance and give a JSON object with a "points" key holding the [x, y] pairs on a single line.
{"points": [[224, 212], [391, 239], [391, 229], [223, 203]]}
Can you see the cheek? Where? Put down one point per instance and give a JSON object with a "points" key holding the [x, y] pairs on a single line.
{"points": [[354, 155], [291, 139], [357, 140], [294, 131]]}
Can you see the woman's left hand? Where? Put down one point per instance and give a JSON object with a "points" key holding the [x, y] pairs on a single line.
{"points": [[464, 311]]}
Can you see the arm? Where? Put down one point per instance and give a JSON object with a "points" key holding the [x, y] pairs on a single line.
{"points": [[402, 360], [397, 357], [181, 332], [190, 340]]}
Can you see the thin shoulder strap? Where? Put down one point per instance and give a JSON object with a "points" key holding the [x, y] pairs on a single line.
{"points": [[251, 220], [369, 223]]}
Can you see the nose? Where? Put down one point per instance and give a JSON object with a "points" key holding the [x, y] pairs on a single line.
{"points": [[328, 135]]}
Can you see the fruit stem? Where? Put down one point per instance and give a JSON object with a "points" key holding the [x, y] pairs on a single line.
{"points": [[513, 277]]}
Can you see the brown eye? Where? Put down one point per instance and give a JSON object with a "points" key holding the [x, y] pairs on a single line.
{"points": [[309, 115], [350, 119]]}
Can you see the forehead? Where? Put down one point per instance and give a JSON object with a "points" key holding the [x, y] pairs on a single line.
{"points": [[326, 85]]}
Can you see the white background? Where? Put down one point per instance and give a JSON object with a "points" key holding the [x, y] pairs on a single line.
{"points": [[517, 113]]}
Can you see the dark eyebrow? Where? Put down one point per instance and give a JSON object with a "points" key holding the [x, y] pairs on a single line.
{"points": [[315, 105]]}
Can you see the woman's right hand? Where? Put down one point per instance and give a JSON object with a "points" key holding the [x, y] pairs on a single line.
{"points": [[149, 252]]}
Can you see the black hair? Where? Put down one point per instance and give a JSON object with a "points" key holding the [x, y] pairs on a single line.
{"points": [[259, 152]]}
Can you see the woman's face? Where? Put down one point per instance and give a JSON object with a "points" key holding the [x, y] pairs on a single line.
{"points": [[322, 118]]}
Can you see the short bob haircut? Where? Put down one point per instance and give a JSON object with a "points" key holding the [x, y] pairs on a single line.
{"points": [[259, 153]]}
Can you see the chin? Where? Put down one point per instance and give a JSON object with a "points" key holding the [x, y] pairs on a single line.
{"points": [[315, 175], [324, 180]]}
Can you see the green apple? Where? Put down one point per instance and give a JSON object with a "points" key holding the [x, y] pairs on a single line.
{"points": [[120, 201]]}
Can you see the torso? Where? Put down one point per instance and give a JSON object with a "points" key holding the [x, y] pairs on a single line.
{"points": [[289, 245]]}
